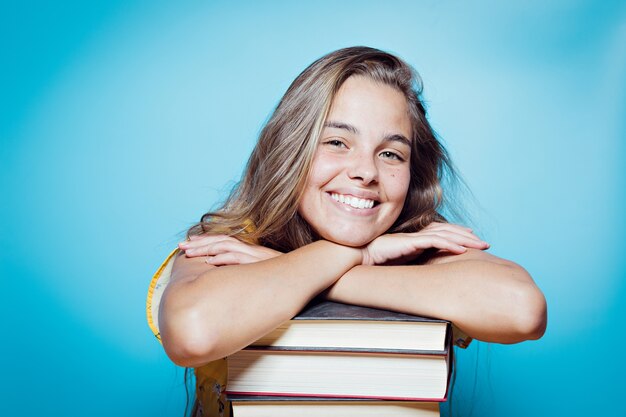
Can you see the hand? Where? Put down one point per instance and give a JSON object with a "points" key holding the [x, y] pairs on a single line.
{"points": [[225, 250], [405, 246]]}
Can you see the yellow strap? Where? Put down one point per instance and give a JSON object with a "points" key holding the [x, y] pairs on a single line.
{"points": [[151, 291]]}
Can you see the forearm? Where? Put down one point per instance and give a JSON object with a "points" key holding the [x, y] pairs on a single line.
{"points": [[490, 301], [221, 310]]}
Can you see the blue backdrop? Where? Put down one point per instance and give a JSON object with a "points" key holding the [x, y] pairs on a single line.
{"points": [[122, 122]]}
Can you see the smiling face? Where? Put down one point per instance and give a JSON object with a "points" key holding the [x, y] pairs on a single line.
{"points": [[361, 172]]}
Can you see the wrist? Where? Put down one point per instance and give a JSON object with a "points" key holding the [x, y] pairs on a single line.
{"points": [[353, 256], [366, 259]]}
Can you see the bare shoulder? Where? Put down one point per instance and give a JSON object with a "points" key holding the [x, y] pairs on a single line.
{"points": [[484, 262], [187, 269]]}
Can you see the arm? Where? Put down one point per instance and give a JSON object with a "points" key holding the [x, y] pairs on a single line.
{"points": [[487, 297], [209, 312]]}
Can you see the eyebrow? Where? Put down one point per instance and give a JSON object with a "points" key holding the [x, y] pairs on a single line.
{"points": [[398, 138], [352, 129], [344, 126]]}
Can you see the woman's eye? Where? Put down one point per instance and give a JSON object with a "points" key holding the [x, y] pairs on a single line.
{"points": [[391, 155], [335, 142]]}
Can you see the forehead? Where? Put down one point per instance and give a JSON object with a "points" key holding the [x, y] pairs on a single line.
{"points": [[371, 106]]}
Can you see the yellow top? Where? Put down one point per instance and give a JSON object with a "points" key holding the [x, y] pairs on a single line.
{"points": [[210, 378]]}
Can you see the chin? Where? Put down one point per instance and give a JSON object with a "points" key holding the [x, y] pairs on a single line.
{"points": [[353, 241]]}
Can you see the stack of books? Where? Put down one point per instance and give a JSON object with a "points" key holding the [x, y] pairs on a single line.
{"points": [[336, 359]]}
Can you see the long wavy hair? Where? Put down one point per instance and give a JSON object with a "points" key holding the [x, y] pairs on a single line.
{"points": [[263, 207]]}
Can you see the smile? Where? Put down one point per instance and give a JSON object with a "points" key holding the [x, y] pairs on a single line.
{"points": [[354, 202]]}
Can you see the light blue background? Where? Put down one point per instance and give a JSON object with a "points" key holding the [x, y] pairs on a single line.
{"points": [[122, 122]]}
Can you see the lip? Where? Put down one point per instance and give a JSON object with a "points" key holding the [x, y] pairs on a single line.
{"points": [[355, 192], [351, 210]]}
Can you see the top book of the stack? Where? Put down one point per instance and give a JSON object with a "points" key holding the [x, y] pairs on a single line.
{"points": [[334, 326]]}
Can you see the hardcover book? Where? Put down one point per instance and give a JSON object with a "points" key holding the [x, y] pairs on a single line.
{"points": [[259, 406], [328, 325], [340, 351], [371, 375]]}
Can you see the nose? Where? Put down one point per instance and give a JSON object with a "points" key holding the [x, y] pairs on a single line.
{"points": [[363, 168]]}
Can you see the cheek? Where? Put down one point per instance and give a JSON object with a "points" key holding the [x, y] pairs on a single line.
{"points": [[323, 169], [399, 184]]}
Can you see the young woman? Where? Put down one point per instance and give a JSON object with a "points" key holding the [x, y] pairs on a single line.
{"points": [[340, 198]]}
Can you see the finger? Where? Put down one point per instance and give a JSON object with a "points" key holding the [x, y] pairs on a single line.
{"points": [[436, 239], [470, 241], [442, 243], [209, 238], [438, 224], [209, 235], [456, 234], [212, 249], [200, 240], [231, 258], [451, 228]]}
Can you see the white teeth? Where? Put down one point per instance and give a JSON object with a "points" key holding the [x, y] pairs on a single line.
{"points": [[355, 202]]}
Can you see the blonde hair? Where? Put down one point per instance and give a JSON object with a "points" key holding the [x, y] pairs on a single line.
{"points": [[263, 206]]}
